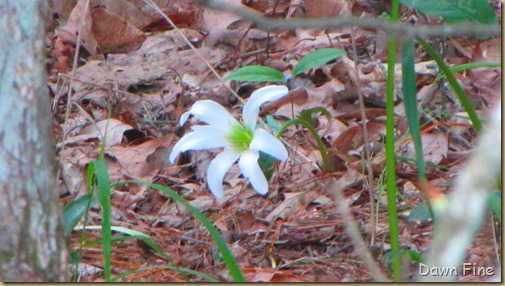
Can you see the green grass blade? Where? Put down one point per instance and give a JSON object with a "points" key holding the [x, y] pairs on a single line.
{"points": [[475, 65], [181, 269], [315, 59], [132, 234], [313, 131], [463, 98], [103, 183], [410, 102], [411, 111], [228, 258]]}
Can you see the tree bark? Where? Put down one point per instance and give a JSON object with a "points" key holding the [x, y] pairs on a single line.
{"points": [[32, 243]]}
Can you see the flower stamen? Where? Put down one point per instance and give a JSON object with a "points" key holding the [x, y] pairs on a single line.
{"points": [[240, 137]]}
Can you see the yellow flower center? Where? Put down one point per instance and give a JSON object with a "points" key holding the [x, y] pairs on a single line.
{"points": [[240, 137]]}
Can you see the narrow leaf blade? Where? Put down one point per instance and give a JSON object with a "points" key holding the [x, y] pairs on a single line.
{"points": [[410, 103], [103, 183]]}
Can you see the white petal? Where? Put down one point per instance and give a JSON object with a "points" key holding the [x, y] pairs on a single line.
{"points": [[202, 138], [184, 118], [248, 164], [217, 169], [211, 113], [267, 143], [260, 96]]}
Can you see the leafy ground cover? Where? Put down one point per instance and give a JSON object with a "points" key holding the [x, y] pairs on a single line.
{"points": [[135, 76]]}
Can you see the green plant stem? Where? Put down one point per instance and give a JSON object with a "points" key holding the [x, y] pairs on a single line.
{"points": [[463, 98], [390, 148], [320, 144]]}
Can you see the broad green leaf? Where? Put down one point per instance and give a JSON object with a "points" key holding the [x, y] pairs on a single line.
{"points": [[316, 58], [256, 73], [420, 213], [456, 11], [74, 211], [266, 163]]}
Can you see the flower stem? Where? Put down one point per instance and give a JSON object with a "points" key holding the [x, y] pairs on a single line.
{"points": [[320, 144], [390, 149]]}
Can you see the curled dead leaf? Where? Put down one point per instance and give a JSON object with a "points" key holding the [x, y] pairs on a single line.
{"points": [[110, 129]]}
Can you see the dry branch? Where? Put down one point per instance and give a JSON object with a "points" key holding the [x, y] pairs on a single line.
{"points": [[400, 28]]}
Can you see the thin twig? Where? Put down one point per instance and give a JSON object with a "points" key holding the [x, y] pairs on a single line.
{"points": [[366, 141], [74, 65], [352, 230], [399, 28]]}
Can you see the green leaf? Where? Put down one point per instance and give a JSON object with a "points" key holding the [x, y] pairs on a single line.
{"points": [[463, 98], [420, 213], [132, 234], [410, 102], [411, 110], [384, 16], [413, 255], [495, 202], [456, 11], [309, 114], [256, 73], [103, 183], [272, 123], [316, 58], [74, 211], [266, 163], [467, 66]]}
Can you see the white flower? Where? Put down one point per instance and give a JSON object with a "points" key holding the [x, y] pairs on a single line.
{"points": [[241, 140]]}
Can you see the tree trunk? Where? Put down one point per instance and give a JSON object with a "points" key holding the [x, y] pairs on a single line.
{"points": [[32, 244]]}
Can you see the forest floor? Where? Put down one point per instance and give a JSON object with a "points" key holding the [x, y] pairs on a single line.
{"points": [[136, 75]]}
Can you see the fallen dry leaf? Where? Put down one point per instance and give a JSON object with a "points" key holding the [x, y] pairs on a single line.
{"points": [[110, 129], [113, 33], [66, 37], [435, 147], [292, 203]]}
